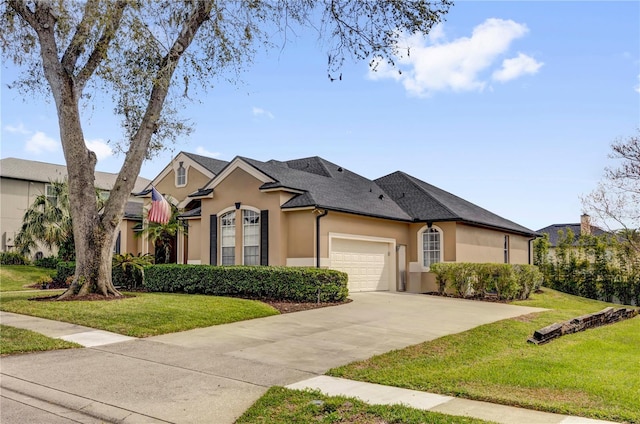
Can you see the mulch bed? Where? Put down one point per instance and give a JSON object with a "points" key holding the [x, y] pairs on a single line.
{"points": [[284, 307]]}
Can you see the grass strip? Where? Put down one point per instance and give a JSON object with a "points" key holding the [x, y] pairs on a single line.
{"points": [[280, 405], [141, 314], [595, 373], [18, 277], [16, 340]]}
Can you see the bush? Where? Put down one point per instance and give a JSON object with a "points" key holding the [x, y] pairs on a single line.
{"points": [[507, 281], [257, 282], [64, 270], [48, 262], [128, 269], [13, 258]]}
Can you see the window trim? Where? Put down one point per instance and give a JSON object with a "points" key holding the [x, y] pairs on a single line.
{"points": [[48, 196], [421, 245]]}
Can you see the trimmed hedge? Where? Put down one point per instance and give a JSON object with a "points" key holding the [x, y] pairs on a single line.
{"points": [[48, 262], [258, 282], [13, 258], [506, 281]]}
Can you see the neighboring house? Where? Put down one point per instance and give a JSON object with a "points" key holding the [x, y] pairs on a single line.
{"points": [[583, 228], [21, 181], [384, 233]]}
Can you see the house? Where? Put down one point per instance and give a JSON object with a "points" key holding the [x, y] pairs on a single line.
{"points": [[582, 228], [383, 233], [21, 181]]}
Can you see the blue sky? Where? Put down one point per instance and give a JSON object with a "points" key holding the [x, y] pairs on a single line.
{"points": [[510, 105]]}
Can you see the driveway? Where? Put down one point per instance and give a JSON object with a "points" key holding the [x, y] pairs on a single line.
{"points": [[214, 374]]}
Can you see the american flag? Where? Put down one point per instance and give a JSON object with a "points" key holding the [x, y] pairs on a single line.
{"points": [[160, 211]]}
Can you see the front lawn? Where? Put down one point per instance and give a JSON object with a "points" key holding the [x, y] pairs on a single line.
{"points": [[143, 314], [595, 373], [18, 277], [17, 340], [280, 405]]}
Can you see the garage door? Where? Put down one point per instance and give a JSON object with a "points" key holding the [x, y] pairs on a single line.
{"points": [[366, 263]]}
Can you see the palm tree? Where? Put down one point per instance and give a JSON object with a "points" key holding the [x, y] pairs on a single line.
{"points": [[48, 220], [163, 235]]}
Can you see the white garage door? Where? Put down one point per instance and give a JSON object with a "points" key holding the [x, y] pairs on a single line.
{"points": [[366, 262]]}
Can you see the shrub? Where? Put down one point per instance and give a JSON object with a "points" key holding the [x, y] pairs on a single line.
{"points": [[258, 282], [64, 270], [48, 262], [13, 258], [508, 281], [128, 269], [440, 271]]}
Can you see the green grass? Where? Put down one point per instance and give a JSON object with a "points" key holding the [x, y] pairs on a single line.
{"points": [[595, 373], [16, 340], [280, 405], [144, 314], [17, 277]]}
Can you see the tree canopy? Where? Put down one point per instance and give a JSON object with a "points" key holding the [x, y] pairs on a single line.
{"points": [[140, 52]]}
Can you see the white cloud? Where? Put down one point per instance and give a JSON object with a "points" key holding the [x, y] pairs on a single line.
{"points": [[258, 111], [204, 152], [40, 143], [18, 129], [100, 148], [435, 64], [517, 67], [637, 87]]}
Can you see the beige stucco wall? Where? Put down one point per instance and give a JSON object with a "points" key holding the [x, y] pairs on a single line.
{"points": [[129, 243], [240, 186], [17, 196], [485, 245], [194, 252], [195, 180]]}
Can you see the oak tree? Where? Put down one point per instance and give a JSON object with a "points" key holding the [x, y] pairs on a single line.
{"points": [[146, 54]]}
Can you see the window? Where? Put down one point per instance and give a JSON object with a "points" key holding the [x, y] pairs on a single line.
{"points": [[228, 233], [431, 246], [51, 194], [251, 237], [181, 175], [506, 249]]}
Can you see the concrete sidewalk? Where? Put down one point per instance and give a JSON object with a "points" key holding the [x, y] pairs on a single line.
{"points": [[214, 374]]}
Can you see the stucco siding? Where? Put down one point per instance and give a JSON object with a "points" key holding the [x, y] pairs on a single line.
{"points": [[242, 187], [195, 180], [194, 250], [484, 245]]}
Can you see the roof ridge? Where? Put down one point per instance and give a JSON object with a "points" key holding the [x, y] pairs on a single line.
{"points": [[412, 181]]}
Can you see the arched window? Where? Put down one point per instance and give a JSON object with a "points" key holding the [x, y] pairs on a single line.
{"points": [[228, 238], [181, 175], [251, 237], [431, 241]]}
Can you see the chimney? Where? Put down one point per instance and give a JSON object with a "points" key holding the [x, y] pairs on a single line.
{"points": [[585, 225]]}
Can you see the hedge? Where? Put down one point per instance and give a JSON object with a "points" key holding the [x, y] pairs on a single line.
{"points": [[48, 262], [64, 270], [471, 279], [13, 258], [258, 282]]}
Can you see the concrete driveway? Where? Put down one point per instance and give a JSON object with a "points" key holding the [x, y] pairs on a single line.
{"points": [[214, 374]]}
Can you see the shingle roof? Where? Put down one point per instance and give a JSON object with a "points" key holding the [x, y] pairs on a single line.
{"points": [[30, 170], [327, 185], [553, 229], [213, 165], [425, 202]]}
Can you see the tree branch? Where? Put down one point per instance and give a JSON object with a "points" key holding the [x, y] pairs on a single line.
{"points": [[96, 56], [141, 139], [77, 44], [21, 9]]}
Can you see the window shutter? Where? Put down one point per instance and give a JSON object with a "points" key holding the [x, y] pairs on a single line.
{"points": [[213, 240], [264, 237]]}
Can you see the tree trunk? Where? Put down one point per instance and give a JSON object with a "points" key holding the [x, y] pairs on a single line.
{"points": [[95, 231]]}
